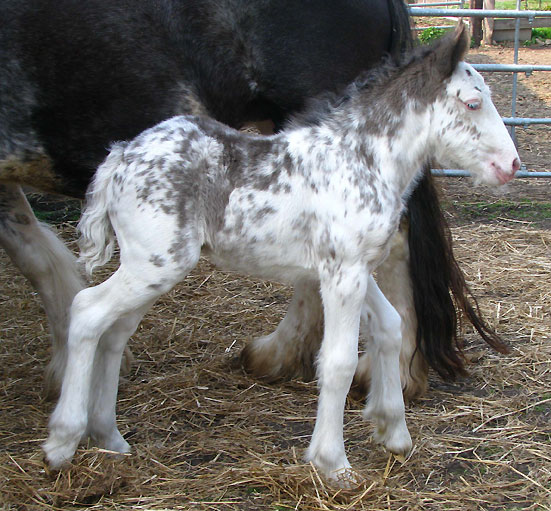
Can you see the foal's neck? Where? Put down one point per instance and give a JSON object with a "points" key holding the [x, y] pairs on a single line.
{"points": [[391, 135]]}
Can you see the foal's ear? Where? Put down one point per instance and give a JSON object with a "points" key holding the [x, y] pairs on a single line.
{"points": [[453, 49]]}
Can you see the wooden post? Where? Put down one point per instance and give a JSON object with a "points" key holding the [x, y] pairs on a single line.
{"points": [[476, 23], [488, 23]]}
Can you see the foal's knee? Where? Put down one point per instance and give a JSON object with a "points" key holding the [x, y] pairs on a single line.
{"points": [[88, 319], [390, 339], [338, 369]]}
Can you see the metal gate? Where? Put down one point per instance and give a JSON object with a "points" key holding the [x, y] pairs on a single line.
{"points": [[514, 68]]}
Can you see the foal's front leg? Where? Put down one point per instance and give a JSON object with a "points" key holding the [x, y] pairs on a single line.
{"points": [[343, 293], [385, 403], [393, 278]]}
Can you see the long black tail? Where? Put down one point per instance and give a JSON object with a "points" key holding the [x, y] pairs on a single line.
{"points": [[402, 38], [442, 297]]}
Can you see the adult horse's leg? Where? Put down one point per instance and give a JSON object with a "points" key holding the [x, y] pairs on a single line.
{"points": [[291, 350], [50, 267]]}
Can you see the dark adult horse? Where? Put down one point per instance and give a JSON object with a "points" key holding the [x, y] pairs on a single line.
{"points": [[76, 76]]}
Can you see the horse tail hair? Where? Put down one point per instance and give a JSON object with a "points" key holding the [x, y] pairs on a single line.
{"points": [[402, 38], [97, 238], [439, 286]]}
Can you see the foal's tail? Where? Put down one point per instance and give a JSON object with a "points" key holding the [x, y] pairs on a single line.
{"points": [[97, 238], [439, 286]]}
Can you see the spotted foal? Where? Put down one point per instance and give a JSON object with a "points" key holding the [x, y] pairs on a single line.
{"points": [[314, 205]]}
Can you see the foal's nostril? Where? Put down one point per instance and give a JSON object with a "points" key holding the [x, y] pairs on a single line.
{"points": [[516, 165]]}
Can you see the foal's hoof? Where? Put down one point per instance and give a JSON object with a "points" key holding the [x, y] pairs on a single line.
{"points": [[113, 442], [59, 453], [333, 466], [345, 478], [396, 440]]}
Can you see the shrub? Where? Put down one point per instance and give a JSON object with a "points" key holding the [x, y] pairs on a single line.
{"points": [[430, 34], [541, 33]]}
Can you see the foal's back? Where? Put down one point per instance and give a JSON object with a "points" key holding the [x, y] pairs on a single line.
{"points": [[207, 186]]}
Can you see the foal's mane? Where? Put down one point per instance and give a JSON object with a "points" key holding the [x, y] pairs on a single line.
{"points": [[391, 70], [320, 107]]}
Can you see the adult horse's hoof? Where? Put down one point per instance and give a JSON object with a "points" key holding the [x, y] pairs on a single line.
{"points": [[270, 360]]}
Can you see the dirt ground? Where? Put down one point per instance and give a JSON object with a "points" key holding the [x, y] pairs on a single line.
{"points": [[206, 436]]}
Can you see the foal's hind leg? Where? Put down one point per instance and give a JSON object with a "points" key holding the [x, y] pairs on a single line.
{"points": [[102, 424], [290, 351], [385, 404], [117, 303], [394, 280], [50, 267]]}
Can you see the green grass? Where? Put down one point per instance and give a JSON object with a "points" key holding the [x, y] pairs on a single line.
{"points": [[538, 33], [544, 407], [54, 210], [252, 491], [530, 5], [524, 209], [57, 217]]}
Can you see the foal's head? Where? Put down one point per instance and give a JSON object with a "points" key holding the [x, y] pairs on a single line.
{"points": [[468, 131]]}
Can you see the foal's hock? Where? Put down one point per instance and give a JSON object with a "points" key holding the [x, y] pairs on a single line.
{"points": [[319, 201]]}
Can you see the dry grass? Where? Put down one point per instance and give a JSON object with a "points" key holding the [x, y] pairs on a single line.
{"points": [[205, 436]]}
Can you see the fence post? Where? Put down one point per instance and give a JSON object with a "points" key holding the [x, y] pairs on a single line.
{"points": [[488, 23], [476, 23]]}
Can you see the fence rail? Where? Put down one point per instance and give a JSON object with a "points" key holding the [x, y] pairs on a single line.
{"points": [[466, 173], [477, 13], [510, 68], [438, 4], [436, 26], [525, 121]]}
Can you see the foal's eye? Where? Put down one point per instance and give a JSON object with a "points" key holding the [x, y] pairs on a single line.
{"points": [[473, 105]]}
